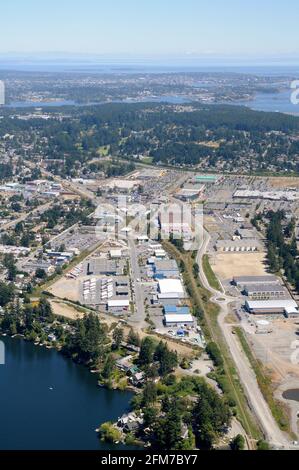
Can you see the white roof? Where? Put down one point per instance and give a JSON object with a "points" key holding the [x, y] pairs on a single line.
{"points": [[118, 303], [179, 318], [116, 252], [287, 304], [263, 322], [170, 295], [160, 253], [169, 286]]}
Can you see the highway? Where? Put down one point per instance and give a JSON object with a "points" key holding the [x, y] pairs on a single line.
{"points": [[247, 376]]}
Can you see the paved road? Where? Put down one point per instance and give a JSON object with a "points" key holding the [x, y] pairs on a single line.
{"points": [[247, 376], [139, 316]]}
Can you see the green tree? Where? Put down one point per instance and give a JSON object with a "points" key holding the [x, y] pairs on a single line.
{"points": [[238, 443], [210, 414], [168, 359], [146, 352], [6, 294], [168, 430], [263, 445], [40, 273], [118, 337], [149, 394], [133, 338], [108, 367]]}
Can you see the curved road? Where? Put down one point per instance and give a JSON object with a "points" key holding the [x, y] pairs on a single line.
{"points": [[247, 376]]}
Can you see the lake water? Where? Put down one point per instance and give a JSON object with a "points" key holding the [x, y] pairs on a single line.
{"points": [[272, 102], [33, 416], [291, 395], [172, 99], [42, 104]]}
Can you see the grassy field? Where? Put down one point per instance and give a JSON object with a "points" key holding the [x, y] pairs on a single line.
{"points": [[103, 151], [147, 160], [210, 275], [277, 408]]}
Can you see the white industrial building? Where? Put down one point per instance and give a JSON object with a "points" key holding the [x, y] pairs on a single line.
{"points": [[240, 246], [115, 253], [270, 195], [267, 291], [169, 288], [118, 306], [245, 281], [177, 319], [245, 233], [118, 303], [286, 307]]}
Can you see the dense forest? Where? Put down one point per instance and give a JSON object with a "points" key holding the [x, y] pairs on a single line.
{"points": [[282, 247], [211, 136]]}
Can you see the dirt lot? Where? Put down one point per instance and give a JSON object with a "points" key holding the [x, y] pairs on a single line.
{"points": [[228, 265], [284, 182], [69, 311], [277, 350], [211, 224], [66, 289], [65, 310]]}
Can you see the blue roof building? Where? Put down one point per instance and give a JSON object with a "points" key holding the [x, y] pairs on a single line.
{"points": [[170, 309]]}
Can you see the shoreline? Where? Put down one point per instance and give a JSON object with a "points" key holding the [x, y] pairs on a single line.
{"points": [[293, 405], [58, 349]]}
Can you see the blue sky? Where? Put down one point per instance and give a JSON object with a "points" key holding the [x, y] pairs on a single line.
{"points": [[210, 28]]}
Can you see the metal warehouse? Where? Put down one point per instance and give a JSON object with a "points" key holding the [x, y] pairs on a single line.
{"points": [[178, 320], [169, 309], [245, 281], [171, 286], [263, 307], [268, 291]]}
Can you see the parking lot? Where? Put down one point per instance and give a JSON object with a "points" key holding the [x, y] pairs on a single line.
{"points": [[76, 239]]}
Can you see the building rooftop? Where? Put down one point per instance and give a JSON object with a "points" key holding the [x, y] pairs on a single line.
{"points": [[246, 233], [286, 304], [168, 286], [168, 309], [178, 318], [165, 265], [275, 287], [118, 303], [239, 243], [206, 178], [247, 280]]}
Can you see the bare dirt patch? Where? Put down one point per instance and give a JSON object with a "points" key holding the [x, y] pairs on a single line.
{"points": [[211, 224], [65, 310], [284, 182], [66, 289], [229, 265], [278, 350]]}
